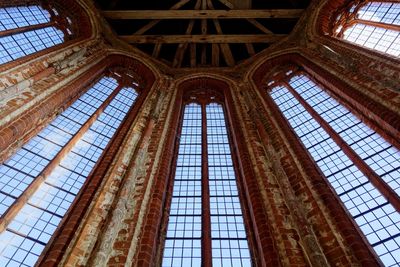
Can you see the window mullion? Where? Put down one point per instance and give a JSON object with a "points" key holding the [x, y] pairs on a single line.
{"points": [[27, 28], [206, 215], [393, 27], [375, 179], [31, 189]]}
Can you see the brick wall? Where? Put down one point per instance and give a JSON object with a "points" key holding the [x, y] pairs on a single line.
{"points": [[295, 218]]}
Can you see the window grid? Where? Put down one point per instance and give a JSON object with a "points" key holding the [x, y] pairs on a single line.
{"points": [[26, 164], [376, 217], [22, 44], [32, 31], [228, 235], [17, 17], [377, 153], [376, 25], [380, 39], [229, 246], [183, 239], [30, 230], [388, 13]]}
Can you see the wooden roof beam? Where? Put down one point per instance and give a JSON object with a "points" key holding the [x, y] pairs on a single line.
{"points": [[215, 55], [250, 49], [226, 50], [193, 55], [241, 4], [156, 50], [227, 3], [202, 39], [153, 23], [203, 58], [259, 25], [204, 14], [180, 51]]}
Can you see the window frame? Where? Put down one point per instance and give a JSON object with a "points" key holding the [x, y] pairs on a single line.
{"points": [[378, 182], [64, 149], [69, 8], [378, 117], [388, 134], [139, 74], [343, 20], [371, 175], [262, 253], [325, 22], [352, 100], [203, 100]]}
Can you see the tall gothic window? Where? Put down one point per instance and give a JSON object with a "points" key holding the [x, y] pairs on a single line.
{"points": [[360, 165], [25, 30], [375, 25], [205, 225], [41, 180]]}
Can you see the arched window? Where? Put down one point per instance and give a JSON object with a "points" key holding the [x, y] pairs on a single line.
{"points": [[205, 224], [362, 168], [25, 30], [375, 25], [41, 180]]}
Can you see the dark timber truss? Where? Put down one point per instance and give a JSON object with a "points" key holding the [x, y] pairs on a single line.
{"points": [[199, 33]]}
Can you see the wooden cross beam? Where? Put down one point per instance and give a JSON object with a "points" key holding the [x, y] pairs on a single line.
{"points": [[203, 14], [153, 23], [202, 39]]}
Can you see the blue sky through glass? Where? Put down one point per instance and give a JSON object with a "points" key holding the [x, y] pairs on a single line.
{"points": [[28, 42], [25, 237], [183, 239], [376, 217], [380, 39], [229, 240]]}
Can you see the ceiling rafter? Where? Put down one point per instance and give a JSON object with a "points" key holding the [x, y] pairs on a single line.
{"points": [[226, 50], [148, 26], [251, 20], [215, 55], [198, 36], [180, 51], [249, 46], [250, 49], [203, 39], [203, 59], [259, 26], [193, 55], [153, 23], [156, 50], [227, 3], [204, 14]]}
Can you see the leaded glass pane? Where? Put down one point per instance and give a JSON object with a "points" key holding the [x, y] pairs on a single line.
{"points": [[22, 44], [375, 216], [228, 234], [27, 234], [183, 239], [377, 37]]}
